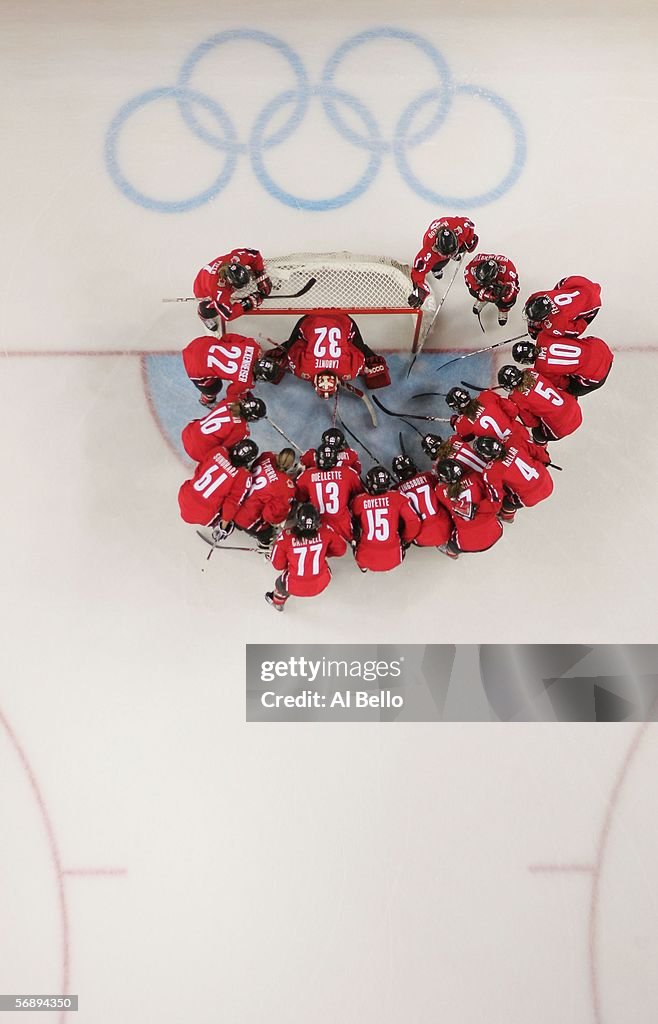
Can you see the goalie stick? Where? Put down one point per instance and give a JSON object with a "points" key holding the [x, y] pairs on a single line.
{"points": [[432, 322], [294, 295], [408, 415], [352, 390]]}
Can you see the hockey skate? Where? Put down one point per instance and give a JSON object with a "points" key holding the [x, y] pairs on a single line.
{"points": [[269, 597]]}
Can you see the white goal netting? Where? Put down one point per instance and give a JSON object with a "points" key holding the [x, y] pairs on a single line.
{"points": [[373, 289]]}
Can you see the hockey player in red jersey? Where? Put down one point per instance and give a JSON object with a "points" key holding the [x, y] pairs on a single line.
{"points": [[549, 412], [566, 309], [492, 279], [300, 554], [330, 486], [224, 426], [517, 476], [216, 282], [419, 486], [445, 239], [454, 447], [327, 348], [384, 519], [236, 359], [335, 438], [471, 507], [576, 365], [488, 415], [270, 496], [212, 496]]}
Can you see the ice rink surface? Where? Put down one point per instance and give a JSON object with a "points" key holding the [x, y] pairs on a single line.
{"points": [[160, 857]]}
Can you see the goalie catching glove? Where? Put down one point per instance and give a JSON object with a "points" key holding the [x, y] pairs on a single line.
{"points": [[375, 372]]}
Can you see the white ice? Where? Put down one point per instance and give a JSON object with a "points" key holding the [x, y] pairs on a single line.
{"points": [[165, 860]]}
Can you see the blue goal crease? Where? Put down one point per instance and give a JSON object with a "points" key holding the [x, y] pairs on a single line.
{"points": [[295, 407]]}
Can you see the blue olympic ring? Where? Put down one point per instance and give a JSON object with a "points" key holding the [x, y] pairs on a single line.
{"points": [[334, 101]]}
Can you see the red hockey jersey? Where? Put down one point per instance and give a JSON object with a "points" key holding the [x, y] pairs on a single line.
{"points": [[503, 291], [323, 343], [303, 560], [427, 255], [436, 525], [219, 427], [384, 521], [208, 284], [495, 416], [231, 359], [575, 301], [587, 359], [522, 473], [215, 490], [473, 513], [331, 491], [546, 404], [270, 494], [348, 457]]}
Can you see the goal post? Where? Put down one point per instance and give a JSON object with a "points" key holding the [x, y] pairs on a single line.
{"points": [[372, 289]]}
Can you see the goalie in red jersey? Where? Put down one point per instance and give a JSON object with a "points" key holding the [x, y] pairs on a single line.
{"points": [[549, 412], [472, 509], [384, 521], [269, 498], [217, 281], [492, 279], [219, 484], [225, 425], [236, 359], [576, 365], [300, 554], [327, 348], [335, 438], [445, 239], [330, 486], [419, 486], [566, 309], [515, 475]]}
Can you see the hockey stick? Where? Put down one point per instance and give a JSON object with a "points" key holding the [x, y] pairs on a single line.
{"points": [[408, 415], [480, 321], [352, 390], [477, 351], [225, 547], [479, 387], [430, 394], [283, 434], [294, 295], [358, 441], [432, 322]]}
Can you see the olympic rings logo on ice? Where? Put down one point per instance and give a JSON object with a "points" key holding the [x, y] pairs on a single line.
{"points": [[336, 102]]}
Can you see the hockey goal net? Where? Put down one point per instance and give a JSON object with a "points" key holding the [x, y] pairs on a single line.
{"points": [[372, 289]]}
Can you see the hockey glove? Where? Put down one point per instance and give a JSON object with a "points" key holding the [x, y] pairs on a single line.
{"points": [[251, 302], [222, 532], [264, 285], [417, 298], [376, 373]]}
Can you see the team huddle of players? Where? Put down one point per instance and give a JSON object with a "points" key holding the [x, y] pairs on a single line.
{"points": [[495, 462]]}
